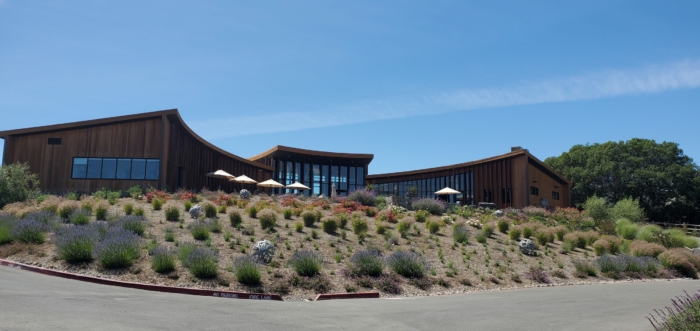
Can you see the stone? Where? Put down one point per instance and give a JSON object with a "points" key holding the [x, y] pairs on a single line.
{"points": [[244, 194], [499, 213], [196, 211], [487, 205], [263, 251], [527, 247]]}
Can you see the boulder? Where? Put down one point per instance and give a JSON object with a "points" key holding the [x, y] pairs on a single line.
{"points": [[196, 211], [263, 251], [499, 213], [527, 247], [244, 194]]}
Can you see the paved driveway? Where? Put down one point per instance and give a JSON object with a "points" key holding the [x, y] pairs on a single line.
{"points": [[30, 301]]}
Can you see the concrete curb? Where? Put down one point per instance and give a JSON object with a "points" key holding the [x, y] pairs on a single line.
{"points": [[361, 295], [139, 286]]}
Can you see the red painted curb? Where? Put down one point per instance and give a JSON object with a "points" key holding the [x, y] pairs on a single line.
{"points": [[139, 286], [361, 295]]}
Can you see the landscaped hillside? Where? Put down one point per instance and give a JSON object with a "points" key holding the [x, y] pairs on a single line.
{"points": [[346, 245]]}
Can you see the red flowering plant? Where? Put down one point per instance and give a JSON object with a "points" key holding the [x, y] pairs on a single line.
{"points": [[223, 199], [386, 216], [187, 195], [290, 201], [323, 203], [156, 194]]}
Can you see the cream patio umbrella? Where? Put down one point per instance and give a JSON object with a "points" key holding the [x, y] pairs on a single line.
{"points": [[245, 180], [297, 186], [220, 174], [447, 191], [270, 183]]}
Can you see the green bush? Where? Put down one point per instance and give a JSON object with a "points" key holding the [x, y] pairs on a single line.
{"points": [[17, 183], [136, 192], [66, 210], [172, 213], [343, 219], [488, 230], [299, 227], [135, 224], [5, 231], [200, 230], [528, 231], [433, 227], [215, 225], [584, 269], [359, 226], [287, 213], [222, 209], [138, 211], [87, 207], [202, 263], [101, 212], [75, 244], [169, 234], [187, 205], [681, 260], [627, 208], [541, 238], [560, 231], [235, 218], [209, 210], [309, 218], [596, 208], [674, 238], [381, 229], [129, 209], [503, 226], [268, 219], [247, 271], [112, 196], [514, 233], [329, 225], [404, 227], [421, 215], [162, 260], [253, 212], [157, 204], [29, 231], [481, 238], [79, 217], [626, 229], [306, 263], [460, 234]]}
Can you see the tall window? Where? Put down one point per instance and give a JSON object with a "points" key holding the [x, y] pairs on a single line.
{"points": [[534, 190], [555, 195], [351, 178], [324, 181], [317, 179], [360, 177]]}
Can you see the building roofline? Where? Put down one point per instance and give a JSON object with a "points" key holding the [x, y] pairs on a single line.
{"points": [[288, 149]]}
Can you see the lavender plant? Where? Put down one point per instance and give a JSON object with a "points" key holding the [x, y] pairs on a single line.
{"points": [[133, 223], [433, 206], [162, 259], [461, 234], [306, 263], [408, 264], [75, 244], [200, 230], [79, 217], [29, 231], [119, 248], [363, 197], [683, 315], [368, 262], [615, 266], [537, 275], [247, 270], [202, 263]]}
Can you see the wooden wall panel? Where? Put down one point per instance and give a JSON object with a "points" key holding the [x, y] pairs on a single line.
{"points": [[519, 180], [546, 186]]}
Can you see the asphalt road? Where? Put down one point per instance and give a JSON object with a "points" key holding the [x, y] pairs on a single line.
{"points": [[30, 301]]}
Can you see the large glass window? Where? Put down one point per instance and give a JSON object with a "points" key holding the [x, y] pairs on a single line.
{"points": [[360, 178], [152, 169], [324, 181], [94, 169], [351, 178], [307, 178], [109, 168], [138, 169], [80, 167], [317, 179], [344, 178], [124, 169]]}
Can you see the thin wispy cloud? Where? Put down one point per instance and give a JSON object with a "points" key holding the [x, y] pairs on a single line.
{"points": [[605, 84]]}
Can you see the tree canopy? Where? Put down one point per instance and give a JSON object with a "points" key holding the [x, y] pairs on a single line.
{"points": [[666, 182]]}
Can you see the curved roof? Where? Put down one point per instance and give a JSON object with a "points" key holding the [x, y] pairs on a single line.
{"points": [[280, 150], [172, 114]]}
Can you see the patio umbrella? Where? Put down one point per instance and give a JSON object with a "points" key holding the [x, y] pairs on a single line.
{"points": [[220, 174], [245, 180], [270, 183], [447, 191], [298, 186]]}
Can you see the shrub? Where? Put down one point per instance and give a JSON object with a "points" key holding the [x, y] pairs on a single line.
{"points": [[371, 212], [169, 234], [201, 262], [541, 238], [629, 209], [29, 231], [626, 229], [381, 229], [577, 239], [681, 260], [359, 226], [287, 213], [235, 219], [299, 227], [247, 270], [187, 205], [215, 225], [363, 197], [481, 238], [380, 202], [404, 227], [129, 209], [648, 232], [87, 207], [433, 227], [5, 231], [386, 216], [528, 231], [162, 259], [79, 217], [136, 192], [600, 247], [309, 218], [157, 204], [537, 275], [433, 206], [614, 266], [421, 215], [408, 264], [222, 209], [461, 234], [514, 233], [120, 248], [367, 262], [172, 213], [101, 212], [268, 219], [66, 209], [209, 210], [138, 211], [75, 244], [329, 225], [488, 229], [584, 268], [17, 183], [306, 263], [643, 248], [503, 226], [596, 208], [342, 220], [560, 231], [135, 224], [253, 212], [200, 230], [675, 238], [683, 315]]}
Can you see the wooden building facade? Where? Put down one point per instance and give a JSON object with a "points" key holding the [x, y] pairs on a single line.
{"points": [[155, 149], [516, 179]]}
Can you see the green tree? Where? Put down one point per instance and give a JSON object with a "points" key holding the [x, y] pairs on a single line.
{"points": [[17, 183], [664, 180]]}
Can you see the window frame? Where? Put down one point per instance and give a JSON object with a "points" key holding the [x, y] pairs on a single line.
{"points": [[116, 159]]}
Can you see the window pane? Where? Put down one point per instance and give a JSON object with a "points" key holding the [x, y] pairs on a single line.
{"points": [[343, 178], [138, 169], [324, 180], [152, 169], [94, 169], [317, 179], [109, 168], [360, 178], [123, 168], [334, 175], [79, 167], [351, 176]]}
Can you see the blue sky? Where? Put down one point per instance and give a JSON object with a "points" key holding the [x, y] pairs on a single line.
{"points": [[417, 84]]}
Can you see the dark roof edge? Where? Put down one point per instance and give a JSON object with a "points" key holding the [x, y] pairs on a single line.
{"points": [[311, 152], [548, 168]]}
